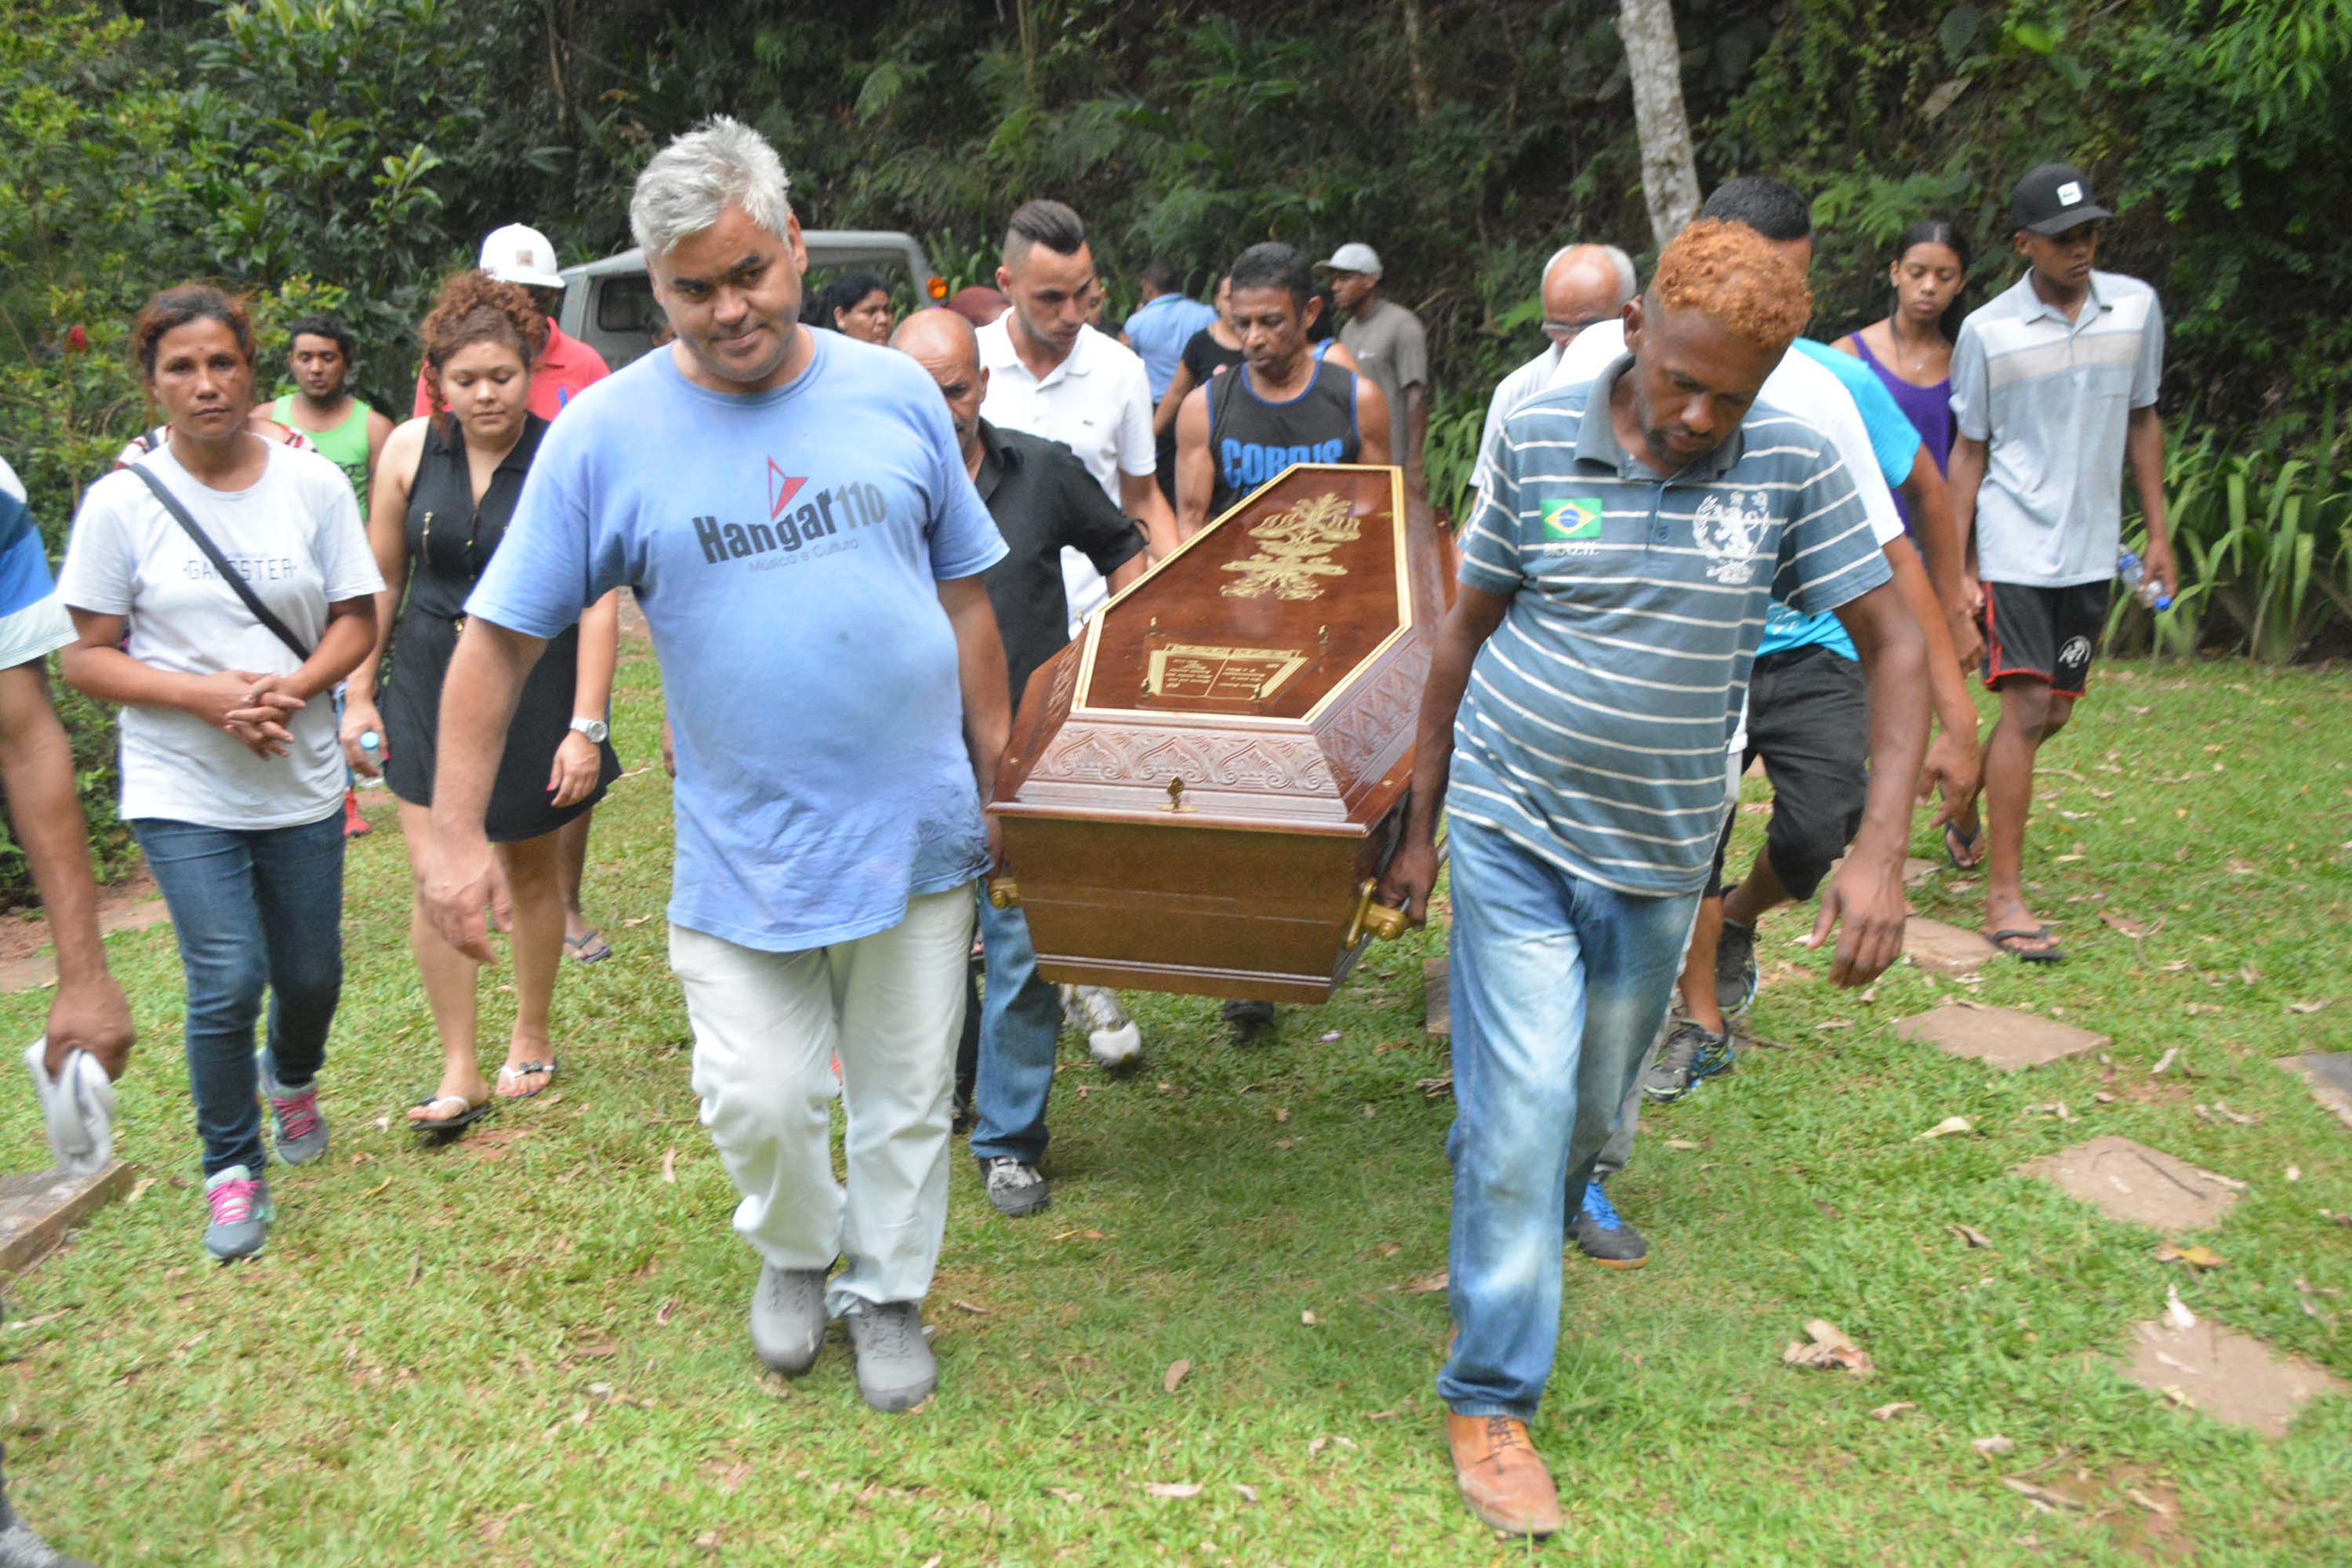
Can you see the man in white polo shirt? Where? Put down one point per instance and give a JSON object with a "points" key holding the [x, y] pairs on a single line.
{"points": [[1052, 376]]}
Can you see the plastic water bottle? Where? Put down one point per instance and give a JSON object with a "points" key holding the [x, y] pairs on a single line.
{"points": [[2136, 583], [373, 744]]}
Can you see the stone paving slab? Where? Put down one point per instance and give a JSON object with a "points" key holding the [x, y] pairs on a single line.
{"points": [[2330, 1077], [1941, 949], [2134, 1182], [1998, 1036], [1437, 1015], [37, 1210], [2230, 1376]]}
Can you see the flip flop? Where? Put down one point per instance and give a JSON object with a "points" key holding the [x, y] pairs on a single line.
{"points": [[517, 1071], [1956, 843], [449, 1126], [589, 947], [2011, 943]]}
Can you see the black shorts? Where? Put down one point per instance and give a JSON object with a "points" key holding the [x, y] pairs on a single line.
{"points": [[2043, 634], [1809, 719]]}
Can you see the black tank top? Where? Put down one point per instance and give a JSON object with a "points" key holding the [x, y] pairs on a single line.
{"points": [[1252, 440], [450, 537]]}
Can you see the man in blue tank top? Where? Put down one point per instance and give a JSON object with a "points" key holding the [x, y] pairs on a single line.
{"points": [[1281, 405]]}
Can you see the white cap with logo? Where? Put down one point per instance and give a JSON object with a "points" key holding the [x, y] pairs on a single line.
{"points": [[520, 254], [1353, 256]]}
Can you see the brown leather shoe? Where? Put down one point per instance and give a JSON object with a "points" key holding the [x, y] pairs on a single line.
{"points": [[1501, 1476]]}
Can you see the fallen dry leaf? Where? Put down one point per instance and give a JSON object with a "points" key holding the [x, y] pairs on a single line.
{"points": [[1065, 1494], [1830, 1348], [1972, 1236], [2294, 1172], [1828, 1024], [1172, 1489], [2164, 1062], [139, 1189], [1388, 1249], [2307, 1008], [1990, 1446], [1387, 1046], [1282, 1113], [1684, 1144], [1949, 1127], [1248, 1493], [1330, 1036], [1083, 1236], [1176, 1371], [2130, 928], [1310, 1319], [1889, 1412], [707, 1541], [2197, 1256], [669, 1166], [975, 1308], [661, 1318], [934, 1560], [1428, 1286], [2040, 1497]]}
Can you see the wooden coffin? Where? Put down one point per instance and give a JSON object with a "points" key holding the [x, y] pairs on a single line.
{"points": [[1200, 792]]}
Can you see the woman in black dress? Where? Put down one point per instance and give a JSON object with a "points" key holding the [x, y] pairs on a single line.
{"points": [[445, 489]]}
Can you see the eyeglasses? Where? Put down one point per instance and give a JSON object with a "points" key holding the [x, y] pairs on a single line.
{"points": [[1564, 332]]}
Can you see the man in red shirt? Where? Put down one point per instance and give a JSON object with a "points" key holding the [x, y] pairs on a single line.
{"points": [[521, 254]]}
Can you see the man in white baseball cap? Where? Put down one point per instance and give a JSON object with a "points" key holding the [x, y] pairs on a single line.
{"points": [[1390, 347], [520, 254]]}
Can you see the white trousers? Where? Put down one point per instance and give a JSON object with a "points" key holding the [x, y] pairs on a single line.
{"points": [[767, 1028]]}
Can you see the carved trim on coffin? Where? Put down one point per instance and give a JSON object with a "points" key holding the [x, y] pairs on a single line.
{"points": [[1258, 764], [1362, 736]]}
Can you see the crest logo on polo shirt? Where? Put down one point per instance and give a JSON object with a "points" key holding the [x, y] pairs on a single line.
{"points": [[1730, 527], [1578, 517]]}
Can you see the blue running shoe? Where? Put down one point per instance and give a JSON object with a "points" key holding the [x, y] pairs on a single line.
{"points": [[1602, 1234], [1690, 1054]]}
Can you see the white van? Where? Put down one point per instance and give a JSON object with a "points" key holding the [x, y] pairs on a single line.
{"points": [[609, 304]]}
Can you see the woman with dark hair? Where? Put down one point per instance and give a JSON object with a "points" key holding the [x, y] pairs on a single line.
{"points": [[219, 588], [856, 306], [444, 489], [1911, 350]]}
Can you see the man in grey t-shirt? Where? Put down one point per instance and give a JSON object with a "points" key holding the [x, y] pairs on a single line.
{"points": [[1390, 347]]}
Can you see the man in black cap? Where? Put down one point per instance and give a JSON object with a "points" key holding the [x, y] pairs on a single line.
{"points": [[2053, 388]]}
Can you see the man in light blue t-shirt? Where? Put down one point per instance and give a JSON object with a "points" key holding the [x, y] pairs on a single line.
{"points": [[1163, 324], [792, 512]]}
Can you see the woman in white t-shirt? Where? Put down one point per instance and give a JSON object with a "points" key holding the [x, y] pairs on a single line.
{"points": [[232, 778]]}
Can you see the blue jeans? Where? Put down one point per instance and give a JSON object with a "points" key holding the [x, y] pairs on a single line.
{"points": [[1020, 1022], [252, 909], [1558, 985]]}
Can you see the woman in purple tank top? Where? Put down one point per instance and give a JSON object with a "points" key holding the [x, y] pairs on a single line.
{"points": [[1911, 350]]}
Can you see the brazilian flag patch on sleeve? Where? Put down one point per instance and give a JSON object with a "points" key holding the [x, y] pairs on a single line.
{"points": [[1578, 517]]}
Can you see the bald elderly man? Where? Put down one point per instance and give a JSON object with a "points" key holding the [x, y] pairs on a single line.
{"points": [[1043, 499], [1583, 285], [1614, 585]]}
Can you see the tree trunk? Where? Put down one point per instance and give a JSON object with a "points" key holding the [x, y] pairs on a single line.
{"points": [[1424, 101], [1654, 63]]}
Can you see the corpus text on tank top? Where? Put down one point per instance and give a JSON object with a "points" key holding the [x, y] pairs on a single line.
{"points": [[1252, 440]]}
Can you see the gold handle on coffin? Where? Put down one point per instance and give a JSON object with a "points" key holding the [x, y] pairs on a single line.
{"points": [[1373, 919], [1003, 893]]}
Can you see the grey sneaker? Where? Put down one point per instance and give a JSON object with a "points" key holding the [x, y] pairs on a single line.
{"points": [[1015, 1188], [296, 1125], [1735, 969], [788, 1318], [239, 1213], [895, 1368], [1602, 1234], [1112, 1039], [21, 1548], [1689, 1054]]}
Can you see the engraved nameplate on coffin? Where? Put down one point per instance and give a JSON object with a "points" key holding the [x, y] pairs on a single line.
{"points": [[1198, 788]]}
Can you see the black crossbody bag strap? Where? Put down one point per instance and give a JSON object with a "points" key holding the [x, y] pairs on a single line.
{"points": [[228, 574]]}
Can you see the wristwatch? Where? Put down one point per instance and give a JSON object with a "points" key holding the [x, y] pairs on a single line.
{"points": [[596, 729]]}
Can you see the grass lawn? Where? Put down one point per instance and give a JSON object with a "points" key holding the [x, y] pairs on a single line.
{"points": [[529, 1348]]}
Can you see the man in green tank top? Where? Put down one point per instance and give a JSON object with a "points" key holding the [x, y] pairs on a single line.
{"points": [[319, 358]]}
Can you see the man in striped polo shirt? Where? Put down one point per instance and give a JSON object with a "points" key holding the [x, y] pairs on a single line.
{"points": [[1632, 533], [2053, 388]]}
